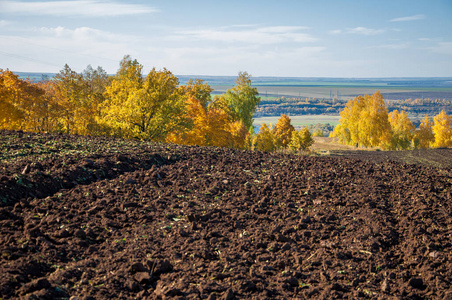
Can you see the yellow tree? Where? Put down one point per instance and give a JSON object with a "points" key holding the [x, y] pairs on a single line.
{"points": [[364, 121], [95, 82], [145, 108], [425, 136], [374, 126], [265, 140], [402, 130], [442, 130], [301, 139], [47, 111], [69, 92], [283, 131], [347, 131]]}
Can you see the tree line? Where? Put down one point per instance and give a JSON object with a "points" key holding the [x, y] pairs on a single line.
{"points": [[365, 122], [132, 105]]}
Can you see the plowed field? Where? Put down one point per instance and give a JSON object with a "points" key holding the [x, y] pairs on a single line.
{"points": [[99, 218]]}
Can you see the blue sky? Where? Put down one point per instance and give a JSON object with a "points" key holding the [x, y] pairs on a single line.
{"points": [[299, 38]]}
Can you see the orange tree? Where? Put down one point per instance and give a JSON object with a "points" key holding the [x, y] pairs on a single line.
{"points": [[207, 124], [19, 102]]}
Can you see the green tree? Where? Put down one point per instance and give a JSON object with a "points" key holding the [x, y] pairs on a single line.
{"points": [[242, 100]]}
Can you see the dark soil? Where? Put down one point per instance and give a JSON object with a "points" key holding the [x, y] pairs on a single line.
{"points": [[98, 218]]}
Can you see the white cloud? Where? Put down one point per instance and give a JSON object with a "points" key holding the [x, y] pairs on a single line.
{"points": [[262, 35], [410, 18], [57, 46], [259, 61], [442, 48], [4, 23], [335, 31], [365, 31], [393, 46], [80, 34], [87, 8]]}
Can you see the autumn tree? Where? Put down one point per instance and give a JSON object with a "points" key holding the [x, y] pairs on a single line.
{"points": [[402, 130], [364, 121], [425, 137], [241, 100], [347, 131], [283, 131], [19, 102], [79, 97], [206, 124], [442, 129], [265, 140], [138, 107], [301, 140]]}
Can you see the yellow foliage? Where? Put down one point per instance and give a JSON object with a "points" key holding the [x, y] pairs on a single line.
{"points": [[364, 121], [442, 130], [283, 131], [20, 102], [209, 127], [301, 139], [146, 108], [402, 130], [425, 136], [265, 140]]}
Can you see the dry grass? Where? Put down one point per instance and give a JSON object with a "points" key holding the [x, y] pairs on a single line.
{"points": [[324, 145]]}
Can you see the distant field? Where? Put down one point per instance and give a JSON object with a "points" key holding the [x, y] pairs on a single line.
{"points": [[299, 121], [321, 88], [345, 92]]}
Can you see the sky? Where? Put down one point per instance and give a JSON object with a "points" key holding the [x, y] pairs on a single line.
{"points": [[286, 38]]}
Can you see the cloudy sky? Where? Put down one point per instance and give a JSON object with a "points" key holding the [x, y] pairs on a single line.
{"points": [[300, 38]]}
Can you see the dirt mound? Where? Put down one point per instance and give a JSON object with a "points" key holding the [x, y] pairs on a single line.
{"points": [[101, 218]]}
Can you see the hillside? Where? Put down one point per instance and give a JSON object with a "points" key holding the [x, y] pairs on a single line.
{"points": [[101, 218]]}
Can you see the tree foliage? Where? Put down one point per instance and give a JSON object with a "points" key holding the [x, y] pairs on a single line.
{"points": [[241, 100], [144, 108], [20, 102], [364, 121], [205, 124], [402, 130], [442, 130], [301, 140], [283, 131], [265, 140], [425, 137], [79, 97]]}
